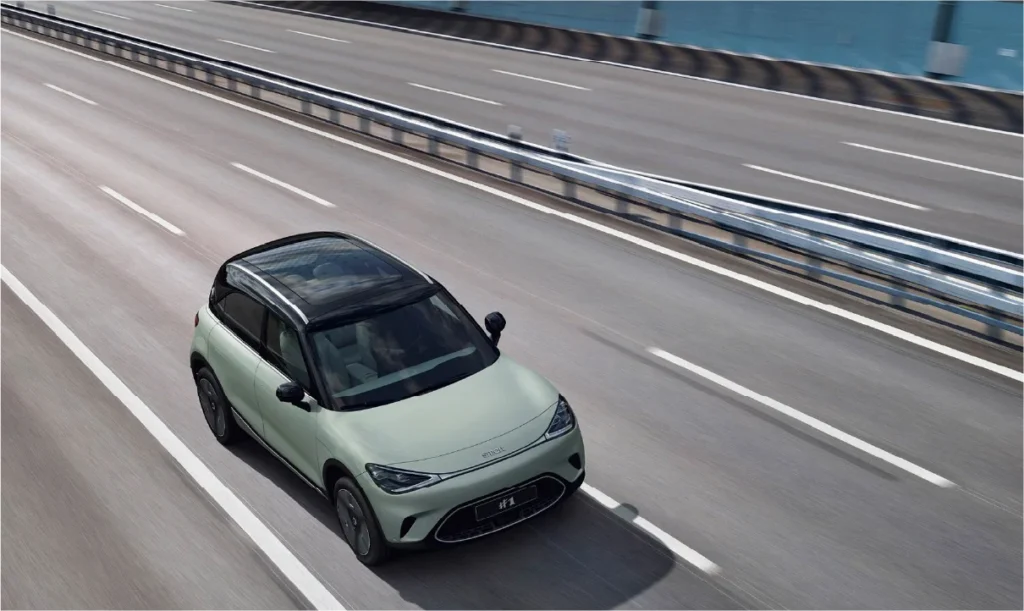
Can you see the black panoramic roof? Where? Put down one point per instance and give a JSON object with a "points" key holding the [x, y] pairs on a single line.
{"points": [[324, 275]]}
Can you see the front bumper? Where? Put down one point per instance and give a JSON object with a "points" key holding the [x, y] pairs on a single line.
{"points": [[443, 513]]}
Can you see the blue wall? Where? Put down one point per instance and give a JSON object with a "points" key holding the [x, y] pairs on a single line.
{"points": [[891, 35], [994, 32]]}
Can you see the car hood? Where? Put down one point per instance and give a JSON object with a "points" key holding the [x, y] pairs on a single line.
{"points": [[504, 406]]}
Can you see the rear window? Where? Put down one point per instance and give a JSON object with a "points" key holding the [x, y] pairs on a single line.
{"points": [[320, 270]]}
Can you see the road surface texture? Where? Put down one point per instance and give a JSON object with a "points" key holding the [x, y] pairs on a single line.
{"points": [[684, 128], [793, 517]]}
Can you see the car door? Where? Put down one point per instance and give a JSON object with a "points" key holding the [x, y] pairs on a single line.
{"points": [[234, 353], [289, 429]]}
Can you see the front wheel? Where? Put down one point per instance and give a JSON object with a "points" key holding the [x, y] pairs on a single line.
{"points": [[358, 525]]}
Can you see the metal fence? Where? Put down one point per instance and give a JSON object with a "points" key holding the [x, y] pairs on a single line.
{"points": [[939, 278]]}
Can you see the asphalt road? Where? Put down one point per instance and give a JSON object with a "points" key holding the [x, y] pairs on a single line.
{"points": [[700, 131], [794, 518]]}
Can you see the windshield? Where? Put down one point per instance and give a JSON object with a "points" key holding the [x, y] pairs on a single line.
{"points": [[408, 351]]}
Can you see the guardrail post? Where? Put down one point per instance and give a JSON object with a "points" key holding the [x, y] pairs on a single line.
{"points": [[515, 170], [396, 134], [364, 124], [895, 298], [433, 146], [472, 158], [335, 116], [568, 188], [51, 9], [19, 4], [307, 106], [994, 331], [675, 222]]}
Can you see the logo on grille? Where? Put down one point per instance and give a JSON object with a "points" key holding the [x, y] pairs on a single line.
{"points": [[507, 503], [494, 452]]}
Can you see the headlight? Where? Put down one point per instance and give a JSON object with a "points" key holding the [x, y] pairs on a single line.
{"points": [[397, 481], [562, 422]]}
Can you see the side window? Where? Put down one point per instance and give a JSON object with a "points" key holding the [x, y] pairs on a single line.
{"points": [[244, 315], [286, 353]]}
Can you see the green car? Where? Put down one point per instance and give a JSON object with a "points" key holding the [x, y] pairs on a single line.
{"points": [[374, 385]]}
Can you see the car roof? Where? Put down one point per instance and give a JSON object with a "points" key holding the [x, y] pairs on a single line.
{"points": [[320, 276]]}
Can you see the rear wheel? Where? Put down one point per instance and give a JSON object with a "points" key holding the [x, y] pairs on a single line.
{"points": [[358, 525], [215, 408]]}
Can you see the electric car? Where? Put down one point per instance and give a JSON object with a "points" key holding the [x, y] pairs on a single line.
{"points": [[367, 379]]}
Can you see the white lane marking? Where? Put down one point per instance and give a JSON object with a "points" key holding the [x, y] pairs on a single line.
{"points": [[272, 547], [139, 209], [175, 8], [318, 36], [239, 44], [938, 161], [113, 15], [542, 80], [459, 95], [810, 421], [73, 95], [628, 66], [284, 185], [713, 268], [674, 545], [836, 187]]}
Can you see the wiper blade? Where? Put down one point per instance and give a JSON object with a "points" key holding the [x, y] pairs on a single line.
{"points": [[434, 387]]}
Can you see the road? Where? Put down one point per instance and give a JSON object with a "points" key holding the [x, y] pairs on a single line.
{"points": [[701, 131], [793, 517]]}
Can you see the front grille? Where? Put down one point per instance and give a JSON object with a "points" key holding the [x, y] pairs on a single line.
{"points": [[461, 524]]}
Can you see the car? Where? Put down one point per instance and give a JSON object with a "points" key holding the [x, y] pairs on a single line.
{"points": [[368, 380]]}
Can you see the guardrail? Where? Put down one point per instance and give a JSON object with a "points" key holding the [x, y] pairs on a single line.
{"points": [[959, 102], [981, 294]]}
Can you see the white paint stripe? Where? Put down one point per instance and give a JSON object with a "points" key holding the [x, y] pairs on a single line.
{"points": [[460, 95], [641, 68], [139, 209], [810, 421], [175, 8], [284, 185], [318, 36], [846, 315], [113, 15], [836, 187], [542, 80], [930, 160], [261, 535], [238, 44], [681, 550], [73, 95]]}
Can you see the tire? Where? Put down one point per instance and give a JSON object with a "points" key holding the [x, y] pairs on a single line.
{"points": [[359, 527], [216, 409]]}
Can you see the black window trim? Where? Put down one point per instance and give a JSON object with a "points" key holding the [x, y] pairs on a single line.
{"points": [[234, 326]]}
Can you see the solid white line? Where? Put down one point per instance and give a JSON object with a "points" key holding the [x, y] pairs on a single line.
{"points": [[810, 421], [112, 15], [460, 95], [836, 187], [750, 281], [139, 209], [930, 160], [641, 68], [238, 44], [284, 185], [175, 8], [542, 80], [73, 95], [318, 36], [261, 535], [681, 550]]}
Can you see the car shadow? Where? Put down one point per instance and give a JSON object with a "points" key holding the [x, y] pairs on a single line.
{"points": [[578, 555]]}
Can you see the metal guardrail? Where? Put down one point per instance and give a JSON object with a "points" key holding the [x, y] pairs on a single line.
{"points": [[948, 286]]}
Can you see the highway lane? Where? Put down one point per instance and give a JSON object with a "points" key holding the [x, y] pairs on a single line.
{"points": [[794, 519], [94, 515], [680, 127]]}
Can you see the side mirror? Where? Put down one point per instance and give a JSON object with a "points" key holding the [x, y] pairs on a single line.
{"points": [[290, 392], [495, 324]]}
